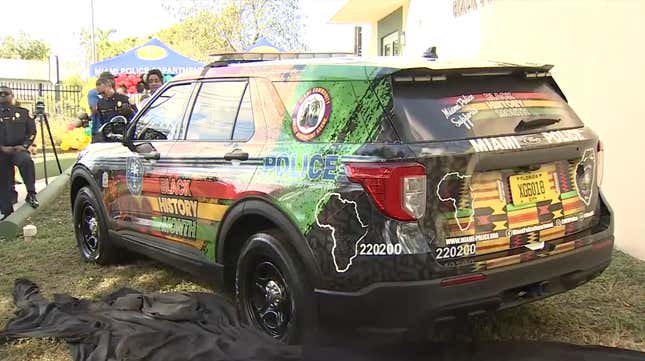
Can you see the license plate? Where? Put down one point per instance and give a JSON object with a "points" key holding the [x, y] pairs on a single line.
{"points": [[530, 188]]}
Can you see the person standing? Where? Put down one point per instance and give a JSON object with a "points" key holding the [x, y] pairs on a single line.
{"points": [[92, 102], [154, 79], [93, 98], [17, 134], [112, 103]]}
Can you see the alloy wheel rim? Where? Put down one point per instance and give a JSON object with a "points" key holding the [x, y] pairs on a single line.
{"points": [[89, 229], [269, 303]]}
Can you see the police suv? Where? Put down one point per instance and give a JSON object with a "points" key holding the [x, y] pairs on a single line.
{"points": [[381, 193]]}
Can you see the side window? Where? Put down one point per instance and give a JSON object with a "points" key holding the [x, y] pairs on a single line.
{"points": [[215, 111], [162, 119], [244, 125]]}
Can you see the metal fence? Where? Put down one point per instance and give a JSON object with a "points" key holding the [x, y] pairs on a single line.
{"points": [[59, 99]]}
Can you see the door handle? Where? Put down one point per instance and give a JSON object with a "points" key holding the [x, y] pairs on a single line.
{"points": [[237, 154], [151, 155]]}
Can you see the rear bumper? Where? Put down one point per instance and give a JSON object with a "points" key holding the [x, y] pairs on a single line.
{"points": [[403, 305]]}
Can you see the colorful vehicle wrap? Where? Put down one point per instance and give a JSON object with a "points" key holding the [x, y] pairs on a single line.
{"points": [[310, 121]]}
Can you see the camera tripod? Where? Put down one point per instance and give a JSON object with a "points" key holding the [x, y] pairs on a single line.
{"points": [[39, 111]]}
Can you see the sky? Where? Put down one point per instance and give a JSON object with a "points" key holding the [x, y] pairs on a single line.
{"points": [[60, 22]]}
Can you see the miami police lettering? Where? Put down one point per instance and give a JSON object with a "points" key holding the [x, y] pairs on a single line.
{"points": [[492, 144], [562, 136], [512, 142], [314, 166], [175, 186]]}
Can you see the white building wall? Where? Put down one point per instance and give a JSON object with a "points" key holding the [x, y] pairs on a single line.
{"points": [[431, 23], [24, 69], [596, 48]]}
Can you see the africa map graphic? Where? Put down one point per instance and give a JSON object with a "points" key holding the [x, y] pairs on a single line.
{"points": [[345, 249], [444, 196]]}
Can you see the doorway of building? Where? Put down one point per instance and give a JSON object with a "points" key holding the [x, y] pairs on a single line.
{"points": [[390, 44]]}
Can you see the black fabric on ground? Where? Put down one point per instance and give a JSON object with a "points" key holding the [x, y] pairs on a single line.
{"points": [[128, 325]]}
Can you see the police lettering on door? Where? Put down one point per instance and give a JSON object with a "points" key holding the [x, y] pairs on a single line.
{"points": [[312, 166]]}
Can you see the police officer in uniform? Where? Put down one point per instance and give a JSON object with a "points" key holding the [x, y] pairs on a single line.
{"points": [[93, 98], [17, 133], [112, 103]]}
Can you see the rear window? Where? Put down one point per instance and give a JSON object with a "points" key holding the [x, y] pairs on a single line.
{"points": [[477, 107]]}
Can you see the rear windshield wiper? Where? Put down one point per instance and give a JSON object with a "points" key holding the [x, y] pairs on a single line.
{"points": [[535, 123]]}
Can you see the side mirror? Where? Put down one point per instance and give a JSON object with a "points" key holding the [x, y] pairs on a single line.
{"points": [[114, 130]]}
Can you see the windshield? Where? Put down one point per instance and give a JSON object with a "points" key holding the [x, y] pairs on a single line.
{"points": [[478, 107]]}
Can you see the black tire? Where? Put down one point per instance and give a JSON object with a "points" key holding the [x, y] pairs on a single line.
{"points": [[270, 279], [90, 227]]}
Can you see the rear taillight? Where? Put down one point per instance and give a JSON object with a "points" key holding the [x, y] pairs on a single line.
{"points": [[398, 189], [600, 162]]}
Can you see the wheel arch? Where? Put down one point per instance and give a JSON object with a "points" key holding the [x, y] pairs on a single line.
{"points": [[252, 215], [82, 177]]}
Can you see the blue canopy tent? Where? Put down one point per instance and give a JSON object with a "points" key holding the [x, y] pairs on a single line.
{"points": [[263, 46], [152, 55]]}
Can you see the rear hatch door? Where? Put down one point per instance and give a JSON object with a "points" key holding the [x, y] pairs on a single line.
{"points": [[510, 166]]}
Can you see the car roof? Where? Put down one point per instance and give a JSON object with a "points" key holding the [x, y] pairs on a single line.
{"points": [[353, 68]]}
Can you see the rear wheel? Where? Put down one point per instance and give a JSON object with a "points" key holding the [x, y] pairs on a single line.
{"points": [[272, 290], [90, 227]]}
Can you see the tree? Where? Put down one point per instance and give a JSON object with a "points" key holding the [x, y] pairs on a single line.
{"points": [[105, 46], [23, 47], [234, 25], [194, 36]]}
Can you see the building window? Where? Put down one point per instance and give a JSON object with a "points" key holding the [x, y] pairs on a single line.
{"points": [[391, 44], [389, 30]]}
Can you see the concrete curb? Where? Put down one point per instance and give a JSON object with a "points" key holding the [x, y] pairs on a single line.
{"points": [[12, 226]]}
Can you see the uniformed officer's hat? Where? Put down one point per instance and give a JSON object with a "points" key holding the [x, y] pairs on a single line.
{"points": [[5, 94]]}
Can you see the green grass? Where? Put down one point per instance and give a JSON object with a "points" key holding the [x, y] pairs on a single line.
{"points": [[52, 167], [52, 261], [607, 311]]}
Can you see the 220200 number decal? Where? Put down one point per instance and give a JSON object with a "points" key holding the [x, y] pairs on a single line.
{"points": [[380, 249], [461, 250]]}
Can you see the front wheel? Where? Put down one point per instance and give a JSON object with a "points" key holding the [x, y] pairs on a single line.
{"points": [[272, 290], [90, 227]]}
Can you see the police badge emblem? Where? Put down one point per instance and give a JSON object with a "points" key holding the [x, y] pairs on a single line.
{"points": [[134, 175]]}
